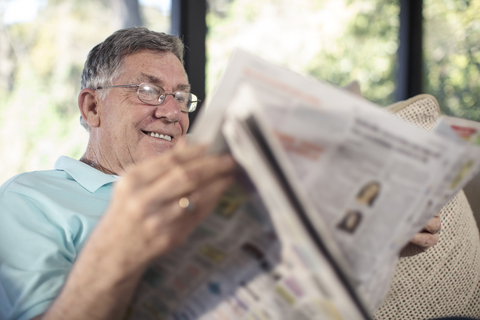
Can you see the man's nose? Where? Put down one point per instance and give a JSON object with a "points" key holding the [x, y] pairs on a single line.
{"points": [[168, 110]]}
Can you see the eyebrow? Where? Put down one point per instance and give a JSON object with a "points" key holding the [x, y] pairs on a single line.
{"points": [[159, 82]]}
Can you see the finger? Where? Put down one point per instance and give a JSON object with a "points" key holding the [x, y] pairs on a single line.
{"points": [[188, 178], [433, 225], [179, 222], [154, 168], [204, 202], [184, 180], [181, 144], [177, 156], [208, 198], [425, 240]]}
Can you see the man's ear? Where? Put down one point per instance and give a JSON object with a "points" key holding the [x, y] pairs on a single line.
{"points": [[87, 103]]}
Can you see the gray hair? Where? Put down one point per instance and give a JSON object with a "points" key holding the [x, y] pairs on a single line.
{"points": [[104, 61]]}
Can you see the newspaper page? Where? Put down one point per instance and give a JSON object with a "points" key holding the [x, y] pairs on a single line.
{"points": [[372, 178]]}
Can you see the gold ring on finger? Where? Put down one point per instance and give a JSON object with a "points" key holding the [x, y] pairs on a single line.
{"points": [[186, 204]]}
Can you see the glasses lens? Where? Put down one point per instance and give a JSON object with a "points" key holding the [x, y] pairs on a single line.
{"points": [[186, 101], [150, 93], [193, 103]]}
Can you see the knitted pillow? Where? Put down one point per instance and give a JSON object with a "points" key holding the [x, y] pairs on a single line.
{"points": [[445, 280]]}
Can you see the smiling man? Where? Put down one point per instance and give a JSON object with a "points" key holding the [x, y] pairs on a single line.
{"points": [[134, 102], [133, 126]]}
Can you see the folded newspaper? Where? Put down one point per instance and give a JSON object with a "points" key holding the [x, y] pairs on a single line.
{"points": [[331, 188]]}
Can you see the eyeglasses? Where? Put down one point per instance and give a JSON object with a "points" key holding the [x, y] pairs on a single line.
{"points": [[154, 95]]}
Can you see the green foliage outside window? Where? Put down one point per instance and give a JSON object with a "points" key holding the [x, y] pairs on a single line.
{"points": [[452, 55], [338, 41], [344, 40]]}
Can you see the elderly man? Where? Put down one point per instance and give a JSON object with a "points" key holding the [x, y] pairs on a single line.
{"points": [[134, 101]]}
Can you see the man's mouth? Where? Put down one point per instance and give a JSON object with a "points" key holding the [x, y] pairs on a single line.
{"points": [[158, 135]]}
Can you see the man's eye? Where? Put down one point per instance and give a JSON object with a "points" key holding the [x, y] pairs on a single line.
{"points": [[148, 91], [180, 96]]}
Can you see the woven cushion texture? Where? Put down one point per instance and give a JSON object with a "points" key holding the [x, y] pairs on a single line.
{"points": [[445, 280]]}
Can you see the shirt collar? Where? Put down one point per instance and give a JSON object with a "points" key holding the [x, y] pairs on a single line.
{"points": [[88, 177]]}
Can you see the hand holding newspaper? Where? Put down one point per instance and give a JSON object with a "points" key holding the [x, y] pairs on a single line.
{"points": [[332, 188]]}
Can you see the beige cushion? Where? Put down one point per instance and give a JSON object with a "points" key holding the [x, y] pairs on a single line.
{"points": [[445, 280]]}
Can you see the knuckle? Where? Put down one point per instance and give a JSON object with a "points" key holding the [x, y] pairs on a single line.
{"points": [[132, 178], [430, 240], [174, 159], [188, 175], [135, 208], [425, 242], [121, 187], [433, 225], [136, 203]]}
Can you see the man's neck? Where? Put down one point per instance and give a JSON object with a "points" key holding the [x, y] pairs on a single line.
{"points": [[95, 165]]}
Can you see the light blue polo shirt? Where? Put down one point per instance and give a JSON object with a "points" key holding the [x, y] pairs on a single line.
{"points": [[45, 218]]}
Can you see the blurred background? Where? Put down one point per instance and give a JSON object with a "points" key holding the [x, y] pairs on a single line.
{"points": [[44, 43]]}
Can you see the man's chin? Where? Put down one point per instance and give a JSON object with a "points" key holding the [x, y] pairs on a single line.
{"points": [[155, 152]]}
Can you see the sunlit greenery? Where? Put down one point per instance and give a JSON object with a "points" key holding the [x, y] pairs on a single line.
{"points": [[335, 40], [344, 40], [39, 114], [452, 55]]}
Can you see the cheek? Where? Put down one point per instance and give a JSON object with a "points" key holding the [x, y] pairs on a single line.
{"points": [[115, 112], [121, 122], [122, 131]]}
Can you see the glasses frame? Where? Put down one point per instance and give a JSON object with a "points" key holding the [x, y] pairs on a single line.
{"points": [[161, 98]]}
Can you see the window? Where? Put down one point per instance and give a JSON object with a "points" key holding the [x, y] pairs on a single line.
{"points": [[452, 55], [335, 40]]}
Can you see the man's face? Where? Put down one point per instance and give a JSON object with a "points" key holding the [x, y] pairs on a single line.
{"points": [[126, 124]]}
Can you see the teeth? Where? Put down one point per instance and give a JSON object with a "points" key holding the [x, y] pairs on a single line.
{"points": [[161, 136]]}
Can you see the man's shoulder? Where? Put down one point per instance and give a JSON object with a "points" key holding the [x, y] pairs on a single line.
{"points": [[55, 194], [71, 188], [35, 180], [27, 198]]}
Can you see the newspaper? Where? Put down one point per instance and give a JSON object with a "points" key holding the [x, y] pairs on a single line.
{"points": [[331, 189]]}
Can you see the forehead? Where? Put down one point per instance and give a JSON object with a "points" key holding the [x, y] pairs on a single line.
{"points": [[162, 68]]}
